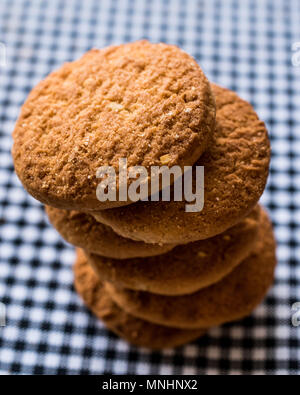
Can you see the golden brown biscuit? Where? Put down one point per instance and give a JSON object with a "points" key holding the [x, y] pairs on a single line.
{"points": [[236, 167], [132, 329], [148, 103], [187, 268], [231, 299], [82, 230]]}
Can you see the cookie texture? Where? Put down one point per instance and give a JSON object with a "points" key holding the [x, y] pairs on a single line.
{"points": [[82, 230], [187, 268], [132, 329], [231, 299], [236, 166], [148, 103]]}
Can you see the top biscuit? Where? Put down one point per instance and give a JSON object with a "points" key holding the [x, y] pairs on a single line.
{"points": [[148, 103]]}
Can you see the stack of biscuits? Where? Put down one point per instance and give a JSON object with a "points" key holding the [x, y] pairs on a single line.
{"points": [[155, 274]]}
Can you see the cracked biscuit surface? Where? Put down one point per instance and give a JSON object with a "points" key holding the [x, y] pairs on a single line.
{"points": [[236, 167], [132, 329], [148, 103], [187, 268]]}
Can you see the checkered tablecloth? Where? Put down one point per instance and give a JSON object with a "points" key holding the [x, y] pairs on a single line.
{"points": [[244, 45]]}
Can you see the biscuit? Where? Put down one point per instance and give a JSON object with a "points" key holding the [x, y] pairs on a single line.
{"points": [[132, 329], [236, 167], [148, 103], [82, 230], [187, 268], [233, 298]]}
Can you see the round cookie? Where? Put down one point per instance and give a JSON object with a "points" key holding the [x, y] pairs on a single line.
{"points": [[231, 299], [187, 268], [236, 167], [82, 230], [148, 103], [132, 329]]}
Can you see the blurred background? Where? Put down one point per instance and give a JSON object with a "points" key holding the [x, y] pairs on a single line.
{"points": [[251, 46]]}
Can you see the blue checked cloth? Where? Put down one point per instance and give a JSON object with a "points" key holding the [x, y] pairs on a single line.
{"points": [[245, 45]]}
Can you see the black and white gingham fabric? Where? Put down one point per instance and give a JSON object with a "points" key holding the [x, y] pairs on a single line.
{"points": [[245, 45]]}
